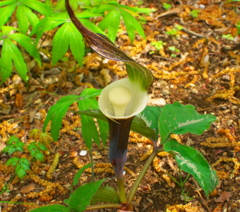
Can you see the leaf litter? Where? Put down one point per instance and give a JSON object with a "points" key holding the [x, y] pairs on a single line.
{"points": [[205, 72]]}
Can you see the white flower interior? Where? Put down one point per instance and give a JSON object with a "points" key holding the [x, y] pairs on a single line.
{"points": [[137, 103], [119, 97]]}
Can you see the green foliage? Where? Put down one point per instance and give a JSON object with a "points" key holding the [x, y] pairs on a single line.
{"points": [[67, 37], [51, 208], [35, 149], [21, 165], [13, 145], [173, 49], [158, 44], [11, 54], [167, 6], [79, 173], [105, 194], [228, 37], [85, 101], [180, 119], [194, 13], [194, 163], [175, 30]]}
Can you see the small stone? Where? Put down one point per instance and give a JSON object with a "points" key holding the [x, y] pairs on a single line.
{"points": [[82, 152]]}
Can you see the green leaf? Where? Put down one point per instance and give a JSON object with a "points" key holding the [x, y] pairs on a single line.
{"points": [[22, 12], [90, 92], [38, 6], [151, 116], [26, 42], [89, 129], [77, 45], [138, 9], [6, 12], [105, 194], [5, 72], [82, 197], [179, 119], [51, 208], [138, 124], [11, 52], [60, 43], [131, 25], [193, 162], [7, 2], [103, 46], [56, 114], [111, 22], [79, 173]]}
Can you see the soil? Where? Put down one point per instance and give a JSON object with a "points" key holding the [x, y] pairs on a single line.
{"points": [[204, 72]]}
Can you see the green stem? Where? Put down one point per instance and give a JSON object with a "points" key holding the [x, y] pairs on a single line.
{"points": [[140, 177], [109, 205], [121, 190], [91, 160]]}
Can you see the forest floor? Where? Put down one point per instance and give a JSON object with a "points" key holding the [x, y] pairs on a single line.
{"points": [[201, 67]]}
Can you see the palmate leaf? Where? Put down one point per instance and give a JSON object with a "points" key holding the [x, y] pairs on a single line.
{"points": [[26, 42], [10, 52], [56, 114], [180, 119], [103, 46], [193, 162], [4, 71], [131, 25], [111, 22], [6, 12], [60, 43]]}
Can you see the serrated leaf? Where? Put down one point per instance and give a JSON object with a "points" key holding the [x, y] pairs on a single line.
{"points": [[82, 197], [151, 115], [79, 173], [60, 43], [105, 194], [131, 25], [6, 12], [89, 129], [179, 119], [22, 13], [194, 163], [11, 52], [111, 22], [56, 114], [51, 208]]}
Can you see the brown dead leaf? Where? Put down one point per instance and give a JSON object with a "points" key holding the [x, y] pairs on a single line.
{"points": [[225, 196], [19, 100], [27, 189]]}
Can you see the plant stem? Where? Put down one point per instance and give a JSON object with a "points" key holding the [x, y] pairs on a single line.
{"points": [[121, 190], [109, 205], [140, 177]]}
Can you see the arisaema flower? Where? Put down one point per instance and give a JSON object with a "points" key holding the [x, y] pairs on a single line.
{"points": [[121, 100]]}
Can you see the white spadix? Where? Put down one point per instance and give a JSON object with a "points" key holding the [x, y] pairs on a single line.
{"points": [[122, 94], [119, 97]]}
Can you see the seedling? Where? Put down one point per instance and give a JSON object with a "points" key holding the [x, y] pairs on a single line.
{"points": [[158, 44], [167, 6], [174, 50], [194, 13], [175, 30], [152, 122], [228, 37]]}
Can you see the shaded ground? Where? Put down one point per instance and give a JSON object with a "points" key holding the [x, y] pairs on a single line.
{"points": [[204, 72]]}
